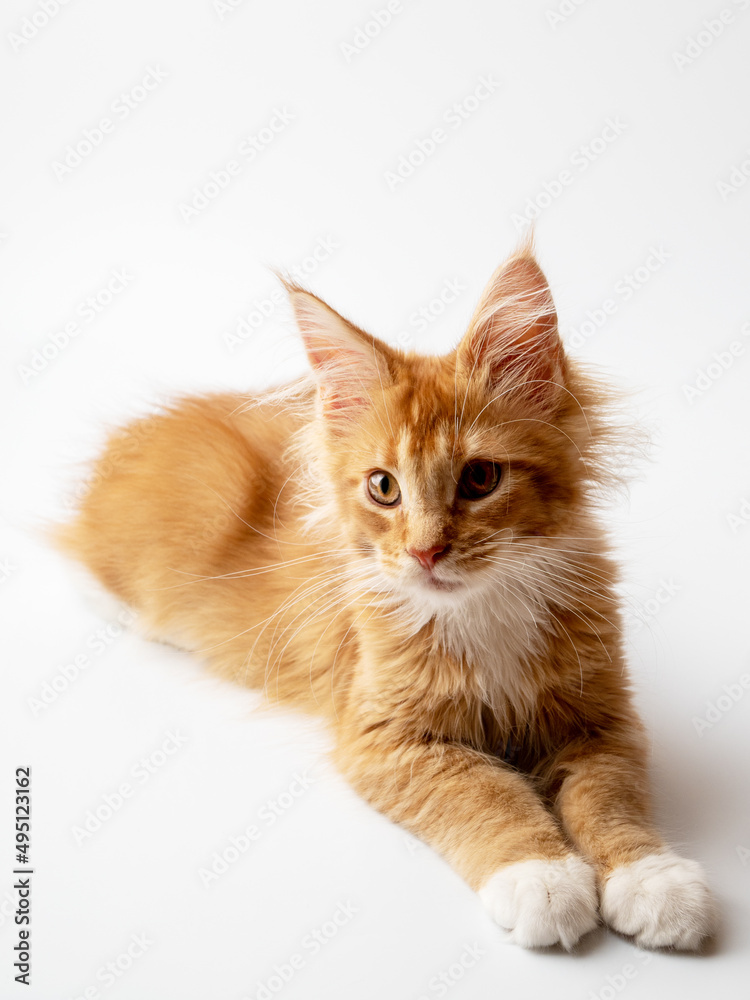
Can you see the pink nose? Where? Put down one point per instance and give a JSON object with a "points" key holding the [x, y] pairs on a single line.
{"points": [[427, 557]]}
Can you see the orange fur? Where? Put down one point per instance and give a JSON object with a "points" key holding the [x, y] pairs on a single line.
{"points": [[242, 529]]}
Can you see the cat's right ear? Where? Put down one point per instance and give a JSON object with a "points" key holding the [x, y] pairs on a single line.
{"points": [[348, 363]]}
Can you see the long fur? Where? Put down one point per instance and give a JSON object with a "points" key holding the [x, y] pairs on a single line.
{"points": [[484, 704]]}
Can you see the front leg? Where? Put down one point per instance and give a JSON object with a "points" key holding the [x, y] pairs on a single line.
{"points": [[647, 891], [484, 818]]}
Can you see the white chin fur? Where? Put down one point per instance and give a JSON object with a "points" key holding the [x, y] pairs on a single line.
{"points": [[663, 901], [543, 902]]}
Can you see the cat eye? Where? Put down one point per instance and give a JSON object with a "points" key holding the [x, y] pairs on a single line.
{"points": [[383, 489], [478, 479]]}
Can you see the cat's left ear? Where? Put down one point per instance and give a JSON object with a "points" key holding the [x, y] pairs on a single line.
{"points": [[513, 331], [348, 364]]}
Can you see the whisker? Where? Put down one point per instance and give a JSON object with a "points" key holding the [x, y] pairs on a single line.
{"points": [[544, 581], [241, 574]]}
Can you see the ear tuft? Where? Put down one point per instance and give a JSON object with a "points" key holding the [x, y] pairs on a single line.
{"points": [[514, 327], [348, 363]]}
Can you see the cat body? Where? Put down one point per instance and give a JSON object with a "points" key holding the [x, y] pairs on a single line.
{"points": [[408, 546]]}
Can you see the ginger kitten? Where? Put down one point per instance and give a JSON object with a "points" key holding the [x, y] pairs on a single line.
{"points": [[408, 546]]}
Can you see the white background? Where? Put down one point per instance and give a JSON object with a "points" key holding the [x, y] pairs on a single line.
{"points": [[683, 127]]}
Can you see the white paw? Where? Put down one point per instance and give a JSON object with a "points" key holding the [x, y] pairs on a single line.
{"points": [[543, 902], [663, 901]]}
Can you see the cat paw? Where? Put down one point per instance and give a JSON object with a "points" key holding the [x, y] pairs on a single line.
{"points": [[543, 902], [663, 901]]}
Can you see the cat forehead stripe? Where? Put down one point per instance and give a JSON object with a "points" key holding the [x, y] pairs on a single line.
{"points": [[416, 444]]}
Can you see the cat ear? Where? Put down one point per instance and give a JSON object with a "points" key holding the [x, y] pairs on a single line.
{"points": [[347, 362], [514, 328]]}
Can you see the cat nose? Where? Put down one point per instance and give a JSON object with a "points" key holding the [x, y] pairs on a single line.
{"points": [[427, 557]]}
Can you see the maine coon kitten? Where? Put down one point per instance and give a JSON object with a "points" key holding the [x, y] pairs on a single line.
{"points": [[407, 545]]}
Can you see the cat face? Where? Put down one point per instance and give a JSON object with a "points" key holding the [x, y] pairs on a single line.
{"points": [[441, 466], [439, 477]]}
